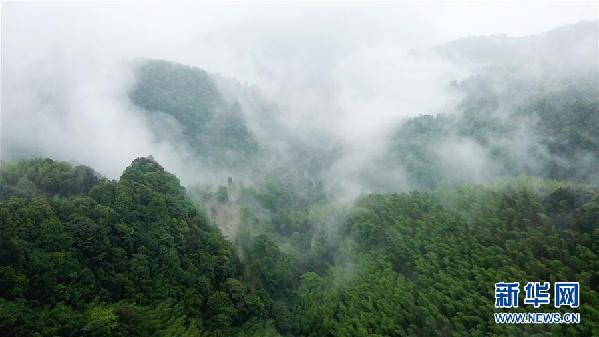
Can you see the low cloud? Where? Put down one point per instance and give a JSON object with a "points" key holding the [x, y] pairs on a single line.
{"points": [[337, 84]]}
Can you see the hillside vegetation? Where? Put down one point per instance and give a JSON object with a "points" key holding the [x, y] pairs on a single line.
{"points": [[134, 257], [503, 187]]}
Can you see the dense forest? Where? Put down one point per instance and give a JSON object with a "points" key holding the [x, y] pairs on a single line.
{"points": [[270, 251], [83, 255]]}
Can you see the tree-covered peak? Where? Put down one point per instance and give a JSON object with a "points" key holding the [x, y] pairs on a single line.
{"points": [[147, 171], [145, 164], [124, 255]]}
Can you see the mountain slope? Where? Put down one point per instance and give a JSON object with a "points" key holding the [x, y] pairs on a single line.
{"points": [[185, 105], [529, 107], [128, 257]]}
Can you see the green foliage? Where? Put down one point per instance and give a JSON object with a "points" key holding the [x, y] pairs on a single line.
{"points": [[427, 263], [524, 126], [213, 127], [45, 177], [136, 241], [82, 255], [134, 257]]}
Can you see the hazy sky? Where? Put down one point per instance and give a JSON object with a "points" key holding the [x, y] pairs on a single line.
{"points": [[346, 65], [219, 36]]}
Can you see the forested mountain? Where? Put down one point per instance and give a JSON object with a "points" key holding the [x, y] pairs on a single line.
{"points": [[425, 263], [133, 257], [516, 126], [503, 187], [185, 104], [529, 107], [206, 116]]}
